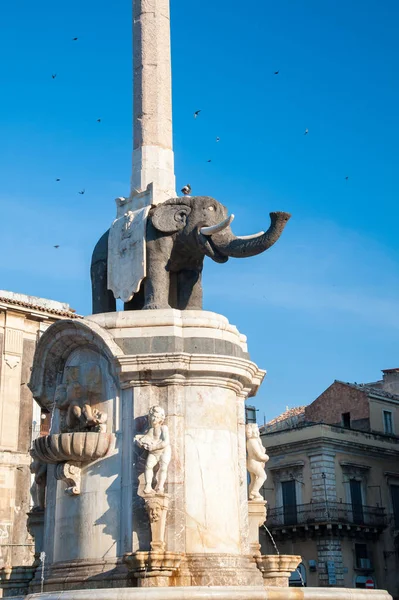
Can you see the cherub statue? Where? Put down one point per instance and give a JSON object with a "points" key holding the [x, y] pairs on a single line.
{"points": [[156, 441], [38, 489], [256, 461], [101, 421], [72, 397]]}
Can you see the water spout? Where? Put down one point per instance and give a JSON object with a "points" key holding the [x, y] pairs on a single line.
{"points": [[300, 576], [52, 417], [42, 559], [272, 539]]}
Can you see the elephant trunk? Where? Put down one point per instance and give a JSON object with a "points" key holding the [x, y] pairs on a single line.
{"points": [[228, 244]]}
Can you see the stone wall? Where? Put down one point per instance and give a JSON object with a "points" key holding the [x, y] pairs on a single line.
{"points": [[322, 466], [330, 563], [26, 409], [336, 400], [22, 320]]}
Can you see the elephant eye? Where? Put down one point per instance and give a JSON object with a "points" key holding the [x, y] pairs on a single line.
{"points": [[211, 208]]}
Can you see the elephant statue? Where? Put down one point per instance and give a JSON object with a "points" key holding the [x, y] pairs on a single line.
{"points": [[179, 234]]}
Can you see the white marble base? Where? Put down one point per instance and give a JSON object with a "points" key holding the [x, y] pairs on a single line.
{"points": [[195, 366], [215, 593]]}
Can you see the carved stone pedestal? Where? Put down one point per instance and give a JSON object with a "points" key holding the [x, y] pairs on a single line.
{"points": [[157, 508], [276, 569], [257, 516], [153, 569]]}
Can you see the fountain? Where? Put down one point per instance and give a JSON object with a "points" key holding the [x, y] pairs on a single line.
{"points": [[146, 462]]}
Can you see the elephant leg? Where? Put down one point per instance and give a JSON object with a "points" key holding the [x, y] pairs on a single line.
{"points": [[173, 290], [189, 290], [156, 286], [103, 299], [157, 280]]}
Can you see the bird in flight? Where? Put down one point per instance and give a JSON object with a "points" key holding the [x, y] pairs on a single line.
{"points": [[347, 178], [306, 131], [75, 39], [218, 139], [58, 179], [186, 190], [54, 75], [197, 112], [276, 72], [82, 192], [56, 246], [210, 160], [98, 120]]}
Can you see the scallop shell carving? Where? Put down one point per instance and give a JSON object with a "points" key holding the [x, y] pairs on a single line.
{"points": [[78, 446]]}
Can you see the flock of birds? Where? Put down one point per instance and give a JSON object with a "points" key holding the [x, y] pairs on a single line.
{"points": [[186, 190], [83, 191]]}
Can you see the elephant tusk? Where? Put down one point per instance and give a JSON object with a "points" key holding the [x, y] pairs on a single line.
{"points": [[250, 237], [216, 228]]}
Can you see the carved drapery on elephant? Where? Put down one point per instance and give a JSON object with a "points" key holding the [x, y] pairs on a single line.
{"points": [[179, 234]]}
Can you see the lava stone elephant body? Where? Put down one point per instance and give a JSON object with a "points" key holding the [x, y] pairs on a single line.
{"points": [[179, 234]]}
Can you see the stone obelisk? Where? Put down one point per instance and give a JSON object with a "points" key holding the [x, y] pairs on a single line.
{"points": [[153, 178], [153, 160]]}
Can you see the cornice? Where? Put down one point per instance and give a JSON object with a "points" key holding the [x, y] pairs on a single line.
{"points": [[179, 368], [336, 445]]}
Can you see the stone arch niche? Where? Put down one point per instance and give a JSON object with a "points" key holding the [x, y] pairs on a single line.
{"points": [[75, 377], [55, 348]]}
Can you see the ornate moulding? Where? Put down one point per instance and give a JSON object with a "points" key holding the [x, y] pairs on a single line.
{"points": [[175, 368]]}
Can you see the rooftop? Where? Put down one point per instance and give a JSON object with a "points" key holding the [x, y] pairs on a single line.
{"points": [[295, 415], [35, 303], [370, 389]]}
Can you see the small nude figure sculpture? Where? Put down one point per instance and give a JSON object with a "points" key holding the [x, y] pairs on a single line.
{"points": [[38, 489], [79, 410], [256, 461], [72, 398], [100, 419], [156, 441]]}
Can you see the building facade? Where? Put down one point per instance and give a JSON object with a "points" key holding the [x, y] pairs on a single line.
{"points": [[333, 485], [22, 321]]}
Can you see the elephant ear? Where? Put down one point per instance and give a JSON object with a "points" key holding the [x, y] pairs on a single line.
{"points": [[169, 218]]}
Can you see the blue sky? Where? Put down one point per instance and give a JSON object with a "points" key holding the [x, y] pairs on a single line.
{"points": [[320, 305]]}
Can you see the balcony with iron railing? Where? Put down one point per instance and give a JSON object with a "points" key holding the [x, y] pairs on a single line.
{"points": [[327, 514]]}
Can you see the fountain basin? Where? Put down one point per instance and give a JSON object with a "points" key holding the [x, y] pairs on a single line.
{"points": [[82, 447], [214, 593], [277, 568]]}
